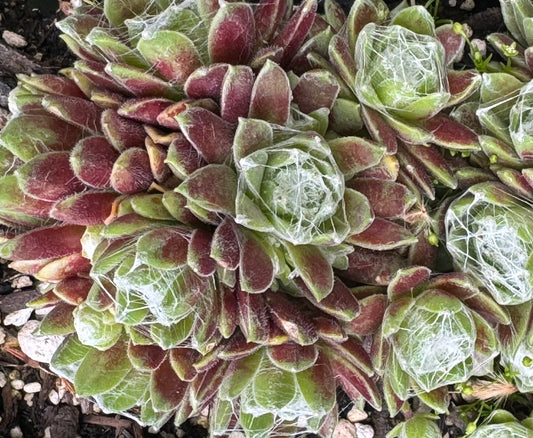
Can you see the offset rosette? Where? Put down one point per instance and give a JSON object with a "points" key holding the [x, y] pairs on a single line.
{"points": [[290, 186], [490, 236], [439, 331], [401, 73]]}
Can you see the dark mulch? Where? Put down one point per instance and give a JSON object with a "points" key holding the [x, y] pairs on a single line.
{"points": [[46, 53]]}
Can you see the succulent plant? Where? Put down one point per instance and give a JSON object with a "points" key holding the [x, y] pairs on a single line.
{"points": [[417, 426], [435, 332], [503, 424], [490, 236], [249, 230]]}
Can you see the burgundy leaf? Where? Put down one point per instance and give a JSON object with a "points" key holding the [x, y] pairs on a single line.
{"points": [[370, 316], [206, 82], [236, 93], [256, 264], [271, 95], [372, 267], [316, 89], [451, 134], [379, 129], [87, 208], [52, 84], [238, 347], [182, 158], [131, 172], [48, 177], [79, 112], [329, 328], [182, 360], [293, 357], [198, 257], [64, 267], [225, 245], [145, 357], [121, 132], [295, 31], [157, 156], [382, 234], [340, 302], [231, 34], [46, 243], [287, 315], [92, 161], [208, 133], [388, 199], [268, 15], [254, 320], [167, 390], [140, 83], [144, 110], [228, 311], [452, 42], [73, 290], [402, 284]]}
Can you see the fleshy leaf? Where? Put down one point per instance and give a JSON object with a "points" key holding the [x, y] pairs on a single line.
{"points": [[171, 54], [233, 26], [271, 95], [114, 361]]}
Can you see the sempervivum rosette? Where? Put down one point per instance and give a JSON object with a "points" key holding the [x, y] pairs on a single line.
{"points": [[436, 331]]}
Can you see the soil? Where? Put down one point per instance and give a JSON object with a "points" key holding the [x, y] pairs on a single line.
{"points": [[44, 52]]}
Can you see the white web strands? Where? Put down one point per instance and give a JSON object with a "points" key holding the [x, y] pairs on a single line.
{"points": [[436, 348], [298, 186], [400, 72], [504, 430], [493, 242]]}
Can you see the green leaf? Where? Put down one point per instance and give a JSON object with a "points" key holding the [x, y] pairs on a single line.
{"points": [[102, 370]]}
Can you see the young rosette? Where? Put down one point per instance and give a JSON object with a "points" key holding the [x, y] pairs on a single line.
{"points": [[438, 331], [401, 73], [490, 236], [503, 424], [506, 114]]}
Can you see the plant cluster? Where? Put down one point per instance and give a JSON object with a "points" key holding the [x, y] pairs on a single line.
{"points": [[242, 207]]}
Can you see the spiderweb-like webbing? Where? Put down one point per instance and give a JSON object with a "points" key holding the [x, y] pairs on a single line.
{"points": [[494, 243]]}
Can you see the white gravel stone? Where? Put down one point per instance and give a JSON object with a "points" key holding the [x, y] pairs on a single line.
{"points": [[356, 415], [14, 39], [16, 432], [28, 398], [17, 384], [364, 431], [39, 348], [3, 335], [344, 429], [53, 396], [32, 387], [18, 318], [3, 379], [21, 282], [47, 433], [236, 434]]}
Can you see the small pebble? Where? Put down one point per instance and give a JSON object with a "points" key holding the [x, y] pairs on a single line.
{"points": [[39, 348], [2, 336], [28, 398], [21, 282], [236, 434], [96, 409], [14, 374], [468, 5], [75, 401], [47, 433], [344, 429], [3, 379], [356, 415], [53, 396], [32, 387], [17, 384], [14, 40], [19, 317], [364, 431], [16, 432]]}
